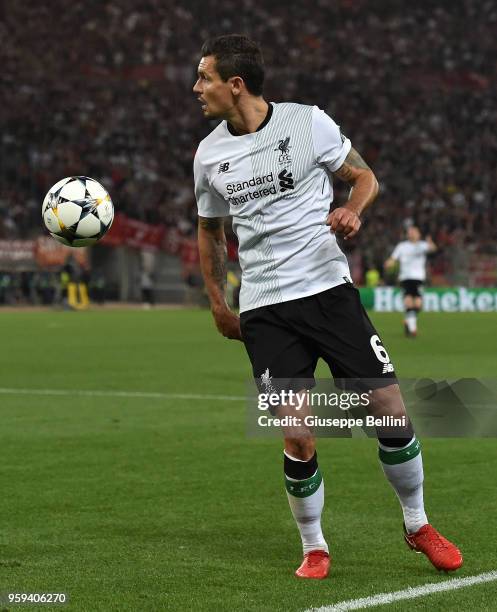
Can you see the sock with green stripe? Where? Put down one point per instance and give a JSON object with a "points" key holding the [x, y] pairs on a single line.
{"points": [[305, 491], [403, 467]]}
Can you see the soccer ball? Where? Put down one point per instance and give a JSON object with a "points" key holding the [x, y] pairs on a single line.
{"points": [[77, 211]]}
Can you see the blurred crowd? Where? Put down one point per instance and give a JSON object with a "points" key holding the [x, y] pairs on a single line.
{"points": [[104, 89]]}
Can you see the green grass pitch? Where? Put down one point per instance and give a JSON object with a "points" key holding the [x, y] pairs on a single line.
{"points": [[133, 503]]}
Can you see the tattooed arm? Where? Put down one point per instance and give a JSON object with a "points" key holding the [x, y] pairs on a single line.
{"points": [[212, 248], [354, 170]]}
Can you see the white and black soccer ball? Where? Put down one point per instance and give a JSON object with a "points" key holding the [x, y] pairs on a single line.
{"points": [[77, 211]]}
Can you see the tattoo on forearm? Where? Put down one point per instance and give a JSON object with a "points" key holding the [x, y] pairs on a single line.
{"points": [[215, 253], [218, 263], [352, 161]]}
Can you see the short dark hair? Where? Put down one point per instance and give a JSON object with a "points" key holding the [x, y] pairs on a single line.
{"points": [[237, 55]]}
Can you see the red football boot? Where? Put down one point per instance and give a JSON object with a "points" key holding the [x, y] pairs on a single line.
{"points": [[442, 553], [316, 564]]}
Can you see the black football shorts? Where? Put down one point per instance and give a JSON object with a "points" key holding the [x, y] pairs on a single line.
{"points": [[284, 341], [411, 287]]}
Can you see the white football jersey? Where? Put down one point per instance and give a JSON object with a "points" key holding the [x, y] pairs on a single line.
{"points": [[412, 259], [276, 184]]}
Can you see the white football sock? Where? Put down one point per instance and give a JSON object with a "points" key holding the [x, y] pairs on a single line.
{"points": [[403, 468], [306, 499], [411, 321]]}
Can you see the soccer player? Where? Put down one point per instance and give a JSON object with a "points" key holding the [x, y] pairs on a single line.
{"points": [[269, 166], [411, 256]]}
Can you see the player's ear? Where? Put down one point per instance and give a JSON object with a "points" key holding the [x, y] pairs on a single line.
{"points": [[237, 85]]}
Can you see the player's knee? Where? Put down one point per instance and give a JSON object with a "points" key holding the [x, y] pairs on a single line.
{"points": [[388, 401], [301, 448]]}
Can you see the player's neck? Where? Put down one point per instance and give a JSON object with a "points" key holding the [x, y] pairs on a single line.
{"points": [[247, 116]]}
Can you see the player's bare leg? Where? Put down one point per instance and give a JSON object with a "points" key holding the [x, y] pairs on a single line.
{"points": [[402, 464], [305, 492]]}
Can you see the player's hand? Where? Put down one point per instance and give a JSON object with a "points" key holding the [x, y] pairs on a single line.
{"points": [[227, 322], [344, 221]]}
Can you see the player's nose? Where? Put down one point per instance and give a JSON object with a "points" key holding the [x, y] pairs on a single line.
{"points": [[196, 87]]}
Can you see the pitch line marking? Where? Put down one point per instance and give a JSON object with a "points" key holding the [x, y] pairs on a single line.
{"points": [[409, 593], [137, 394]]}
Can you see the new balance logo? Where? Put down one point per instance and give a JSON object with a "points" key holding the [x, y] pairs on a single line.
{"points": [[223, 167], [286, 180], [388, 367]]}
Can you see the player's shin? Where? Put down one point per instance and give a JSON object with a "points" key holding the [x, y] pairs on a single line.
{"points": [[403, 466], [305, 491]]}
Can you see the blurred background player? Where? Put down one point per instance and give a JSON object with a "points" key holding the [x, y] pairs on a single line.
{"points": [[411, 255], [74, 279], [372, 276]]}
